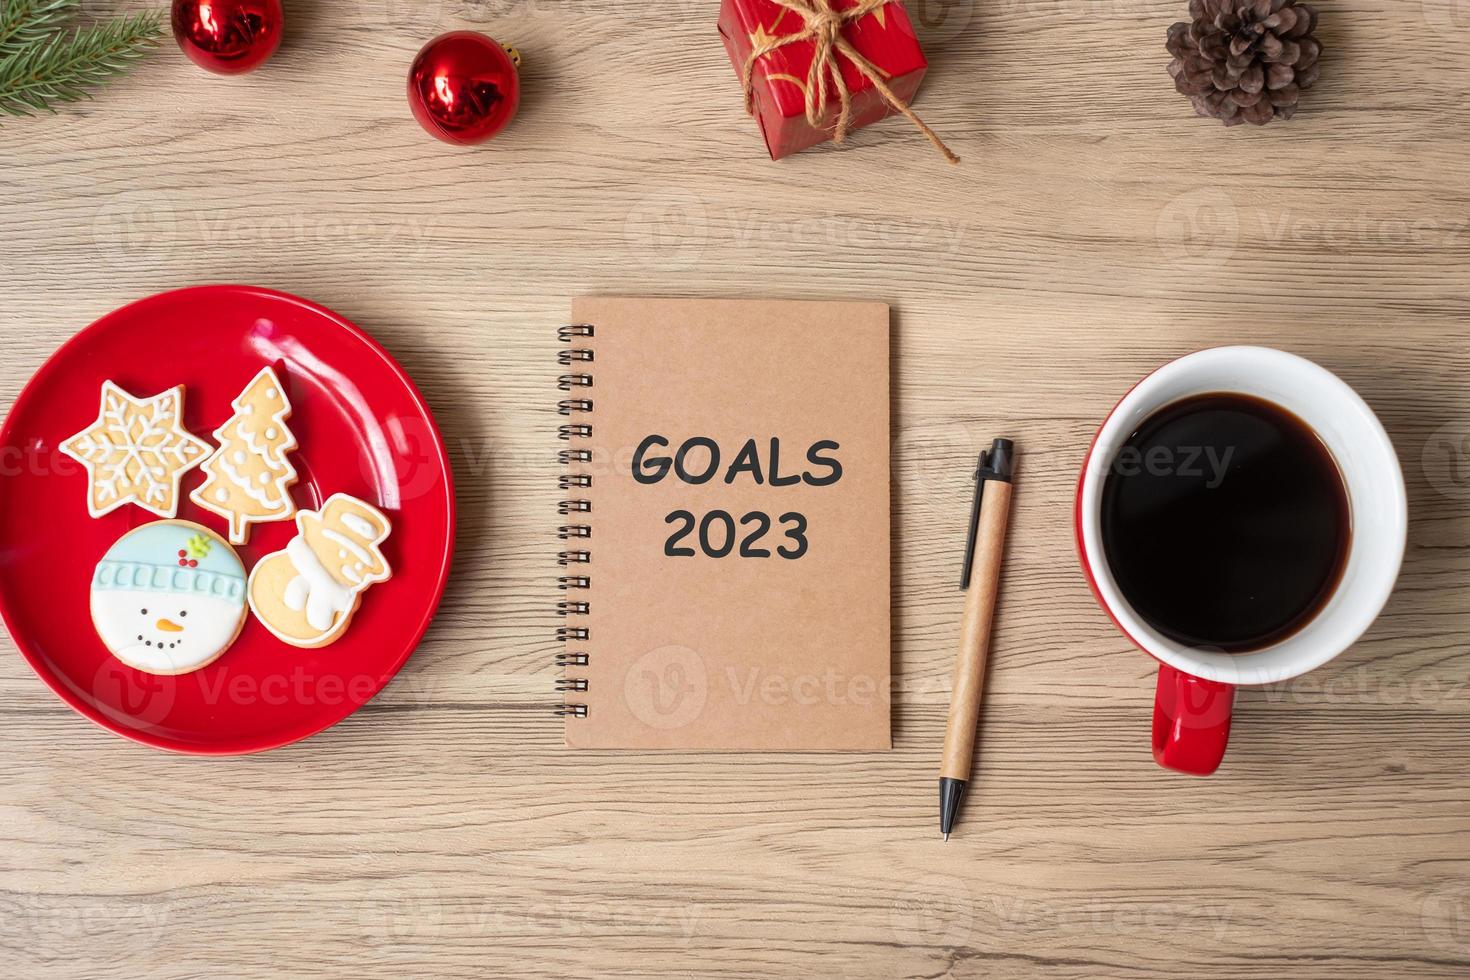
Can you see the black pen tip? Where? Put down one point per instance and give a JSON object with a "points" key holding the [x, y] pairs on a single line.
{"points": [[951, 791]]}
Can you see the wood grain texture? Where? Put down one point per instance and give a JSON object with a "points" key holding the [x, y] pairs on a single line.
{"points": [[1094, 230]]}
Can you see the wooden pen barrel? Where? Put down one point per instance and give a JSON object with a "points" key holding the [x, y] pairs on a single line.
{"points": [[969, 670]]}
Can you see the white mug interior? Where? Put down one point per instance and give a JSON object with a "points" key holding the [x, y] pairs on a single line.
{"points": [[1370, 471]]}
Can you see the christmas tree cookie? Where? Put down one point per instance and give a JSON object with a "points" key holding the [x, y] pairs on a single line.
{"points": [[169, 597], [136, 451], [306, 594], [248, 477]]}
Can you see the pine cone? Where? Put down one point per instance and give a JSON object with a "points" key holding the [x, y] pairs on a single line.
{"points": [[1245, 60]]}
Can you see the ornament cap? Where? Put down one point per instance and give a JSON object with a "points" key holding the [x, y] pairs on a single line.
{"points": [[515, 55]]}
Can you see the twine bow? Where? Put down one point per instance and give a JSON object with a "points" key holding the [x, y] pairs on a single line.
{"points": [[822, 25]]}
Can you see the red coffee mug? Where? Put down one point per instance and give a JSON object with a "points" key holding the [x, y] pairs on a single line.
{"points": [[1196, 687]]}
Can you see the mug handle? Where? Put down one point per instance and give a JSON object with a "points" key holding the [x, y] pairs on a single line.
{"points": [[1191, 721]]}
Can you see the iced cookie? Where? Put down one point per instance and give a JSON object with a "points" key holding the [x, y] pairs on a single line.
{"points": [[307, 593], [169, 597], [248, 478], [136, 452]]}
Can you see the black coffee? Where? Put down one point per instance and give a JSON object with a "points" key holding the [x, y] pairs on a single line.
{"points": [[1225, 522]]}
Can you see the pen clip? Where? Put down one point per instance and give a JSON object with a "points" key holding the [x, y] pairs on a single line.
{"points": [[995, 464], [970, 541]]}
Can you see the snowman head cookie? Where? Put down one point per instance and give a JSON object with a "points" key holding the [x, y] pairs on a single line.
{"points": [[169, 597], [346, 534], [307, 594]]}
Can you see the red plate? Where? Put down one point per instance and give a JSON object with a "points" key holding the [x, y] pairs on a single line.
{"points": [[363, 429]]}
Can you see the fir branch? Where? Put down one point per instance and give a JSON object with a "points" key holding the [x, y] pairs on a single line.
{"points": [[65, 67], [27, 22]]}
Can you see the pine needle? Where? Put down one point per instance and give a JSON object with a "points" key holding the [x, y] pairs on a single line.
{"points": [[27, 22], [66, 66]]}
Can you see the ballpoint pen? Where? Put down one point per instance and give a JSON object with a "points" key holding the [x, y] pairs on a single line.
{"points": [[984, 550]]}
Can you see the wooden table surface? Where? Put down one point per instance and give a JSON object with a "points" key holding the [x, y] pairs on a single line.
{"points": [[1094, 230]]}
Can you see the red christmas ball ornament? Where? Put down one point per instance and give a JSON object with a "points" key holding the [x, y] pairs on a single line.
{"points": [[464, 87], [228, 37]]}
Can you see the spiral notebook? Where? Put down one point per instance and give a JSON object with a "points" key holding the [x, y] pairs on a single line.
{"points": [[725, 581]]}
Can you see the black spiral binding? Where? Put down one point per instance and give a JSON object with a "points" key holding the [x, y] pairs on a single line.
{"points": [[570, 659]]}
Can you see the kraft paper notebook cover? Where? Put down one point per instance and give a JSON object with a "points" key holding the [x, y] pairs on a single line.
{"points": [[737, 603]]}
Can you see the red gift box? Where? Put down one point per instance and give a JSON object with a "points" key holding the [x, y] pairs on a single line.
{"points": [[780, 91]]}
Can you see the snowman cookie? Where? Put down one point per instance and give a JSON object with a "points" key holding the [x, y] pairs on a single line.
{"points": [[306, 594], [136, 451], [169, 597]]}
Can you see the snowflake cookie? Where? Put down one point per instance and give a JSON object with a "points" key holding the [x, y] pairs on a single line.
{"points": [[136, 451]]}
